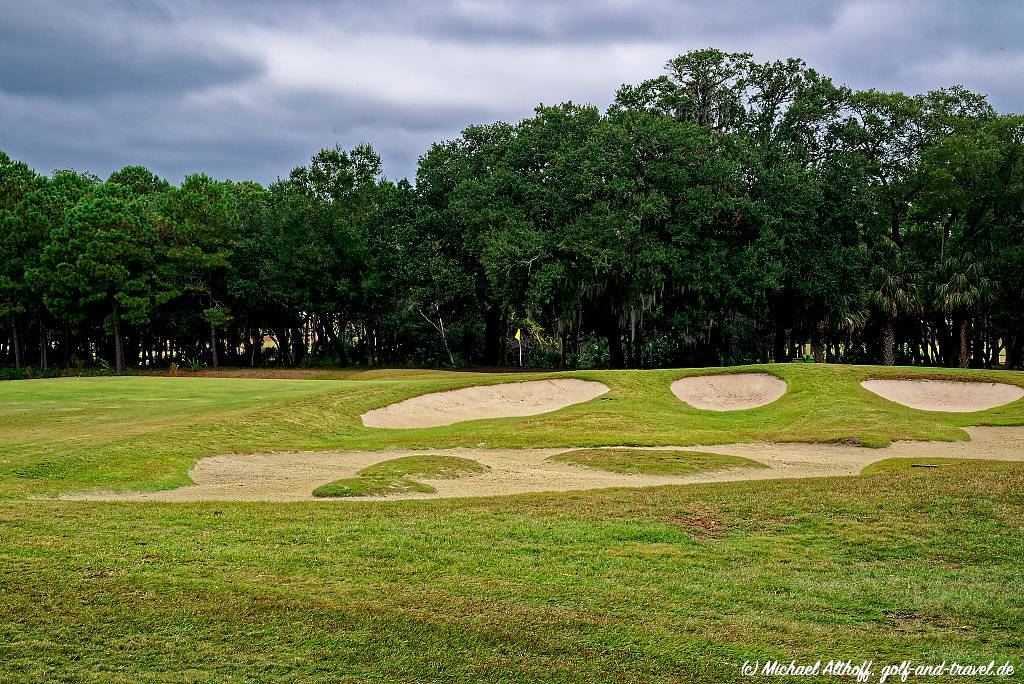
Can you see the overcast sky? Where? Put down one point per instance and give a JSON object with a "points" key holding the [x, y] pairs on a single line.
{"points": [[247, 89]]}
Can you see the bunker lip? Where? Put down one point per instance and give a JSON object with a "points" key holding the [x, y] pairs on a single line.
{"points": [[729, 391], [950, 396], [293, 476], [505, 400]]}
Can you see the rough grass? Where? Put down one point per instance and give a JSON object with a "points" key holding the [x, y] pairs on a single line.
{"points": [[899, 465], [670, 584], [397, 476], [661, 462], [76, 434]]}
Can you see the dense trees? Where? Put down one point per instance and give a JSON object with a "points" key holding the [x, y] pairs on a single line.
{"points": [[728, 211]]}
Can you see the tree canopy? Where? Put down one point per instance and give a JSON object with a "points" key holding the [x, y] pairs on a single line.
{"points": [[726, 211]]}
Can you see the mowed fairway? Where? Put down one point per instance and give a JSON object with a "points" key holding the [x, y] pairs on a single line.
{"points": [[678, 583]]}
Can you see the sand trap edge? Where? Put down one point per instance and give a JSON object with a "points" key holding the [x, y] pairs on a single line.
{"points": [[729, 391], [936, 395], [484, 402]]}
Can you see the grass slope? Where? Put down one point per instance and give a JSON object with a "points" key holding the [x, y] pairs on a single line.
{"points": [[76, 434], [657, 585], [397, 475], [653, 462]]}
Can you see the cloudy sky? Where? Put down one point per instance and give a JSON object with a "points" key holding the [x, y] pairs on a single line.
{"points": [[247, 89]]}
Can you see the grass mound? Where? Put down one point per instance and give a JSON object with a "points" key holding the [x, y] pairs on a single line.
{"points": [[396, 476], [643, 462]]}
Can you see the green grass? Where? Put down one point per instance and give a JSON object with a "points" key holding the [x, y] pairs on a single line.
{"points": [[666, 584], [633, 461], [397, 475], [669, 584], [77, 434], [899, 465]]}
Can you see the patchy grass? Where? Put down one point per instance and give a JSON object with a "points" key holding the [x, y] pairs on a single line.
{"points": [[669, 584], [899, 465], [397, 476], [661, 462], [664, 584], [75, 434]]}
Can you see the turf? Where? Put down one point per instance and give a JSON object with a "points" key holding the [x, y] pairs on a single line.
{"points": [[655, 585], [78, 434], [668, 584], [898, 465], [658, 462], [398, 475]]}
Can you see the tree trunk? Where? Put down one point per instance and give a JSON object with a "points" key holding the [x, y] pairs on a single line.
{"points": [[965, 356], [298, 345], [818, 343], [493, 334], [118, 345], [213, 345], [67, 346], [42, 345], [615, 355], [638, 348], [370, 358], [1011, 352], [779, 343], [889, 344], [17, 345]]}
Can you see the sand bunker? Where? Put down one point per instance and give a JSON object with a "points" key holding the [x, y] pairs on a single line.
{"points": [[507, 400], [729, 392], [294, 476], [945, 395]]}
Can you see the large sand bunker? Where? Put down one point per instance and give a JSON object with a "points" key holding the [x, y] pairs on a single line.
{"points": [[729, 392], [511, 399], [945, 395], [293, 476]]}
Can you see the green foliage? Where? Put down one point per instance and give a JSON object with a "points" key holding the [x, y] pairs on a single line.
{"points": [[728, 211]]}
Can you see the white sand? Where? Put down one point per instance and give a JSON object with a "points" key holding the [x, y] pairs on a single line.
{"points": [[484, 401], [293, 476], [945, 395], [729, 392]]}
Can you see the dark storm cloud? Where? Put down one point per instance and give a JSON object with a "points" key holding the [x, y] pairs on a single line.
{"points": [[247, 89]]}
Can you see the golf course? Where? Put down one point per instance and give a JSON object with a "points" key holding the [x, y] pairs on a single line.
{"points": [[488, 342], [626, 536]]}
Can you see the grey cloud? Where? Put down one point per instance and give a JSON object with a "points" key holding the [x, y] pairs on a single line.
{"points": [[69, 53], [227, 87]]}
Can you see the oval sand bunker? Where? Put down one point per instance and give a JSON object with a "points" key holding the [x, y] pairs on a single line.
{"points": [[730, 392], [945, 395], [507, 400]]}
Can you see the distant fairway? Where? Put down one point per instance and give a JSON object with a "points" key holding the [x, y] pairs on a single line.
{"points": [[656, 584], [77, 434]]}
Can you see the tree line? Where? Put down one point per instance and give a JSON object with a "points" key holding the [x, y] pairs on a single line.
{"points": [[727, 211]]}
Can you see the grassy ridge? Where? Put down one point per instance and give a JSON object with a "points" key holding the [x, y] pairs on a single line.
{"points": [[666, 584], [654, 462], [146, 432], [401, 475]]}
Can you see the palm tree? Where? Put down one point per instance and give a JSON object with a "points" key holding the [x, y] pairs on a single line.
{"points": [[962, 294], [893, 292]]}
